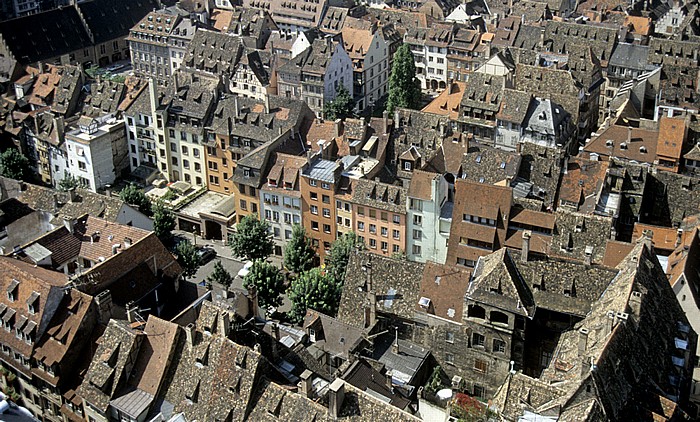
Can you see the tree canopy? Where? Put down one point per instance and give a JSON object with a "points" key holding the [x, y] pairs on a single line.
{"points": [[133, 195], [299, 255], [252, 239], [268, 282], [68, 182], [404, 90], [220, 275], [163, 221], [337, 259], [14, 165], [340, 107], [188, 258], [316, 290]]}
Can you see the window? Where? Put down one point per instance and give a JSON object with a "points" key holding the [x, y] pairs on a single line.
{"points": [[314, 209], [397, 219], [417, 220], [385, 232], [479, 391], [384, 216], [396, 234], [416, 250], [326, 199], [213, 180], [373, 243], [326, 228], [360, 211], [361, 226], [287, 234], [545, 359], [372, 213], [480, 365], [327, 213], [243, 204], [314, 225], [82, 166], [184, 150], [373, 228], [385, 246], [325, 185], [314, 196], [395, 249], [312, 182], [499, 346], [478, 340], [450, 337], [450, 358], [407, 165]]}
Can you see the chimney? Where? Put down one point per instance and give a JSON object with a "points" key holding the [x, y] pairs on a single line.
{"points": [[338, 128], [253, 297], [629, 136], [115, 248], [372, 309], [336, 395], [635, 304], [176, 84], [275, 331], [385, 117], [72, 195], [679, 237], [613, 233], [527, 234], [55, 201], [190, 335], [443, 129], [224, 324], [69, 223], [395, 346], [108, 190], [127, 242], [307, 384], [582, 340], [389, 377], [131, 311], [152, 94], [396, 119], [450, 86], [267, 103], [236, 110], [588, 255], [104, 306]]}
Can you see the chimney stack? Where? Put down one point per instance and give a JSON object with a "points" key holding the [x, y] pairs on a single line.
{"points": [[104, 306], [131, 311], [395, 346], [236, 110], [152, 95], [527, 234], [396, 119], [72, 195], [69, 223], [385, 121], [336, 396], [224, 323], [372, 309], [267, 103], [338, 128], [127, 242], [679, 237], [190, 335], [582, 340], [307, 383], [115, 248], [629, 136]]}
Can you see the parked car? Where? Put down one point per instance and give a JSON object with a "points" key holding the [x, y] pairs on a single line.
{"points": [[205, 254], [245, 270], [116, 66]]}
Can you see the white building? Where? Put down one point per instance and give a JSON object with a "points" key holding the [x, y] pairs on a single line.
{"points": [[96, 151], [369, 53], [429, 217], [429, 47], [280, 199], [141, 136]]}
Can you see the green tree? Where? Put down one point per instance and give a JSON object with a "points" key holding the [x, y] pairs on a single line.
{"points": [[163, 221], [404, 90], [133, 195], [68, 182], [252, 239], [435, 381], [316, 290], [188, 258], [14, 165], [220, 275], [339, 255], [268, 282], [299, 255], [341, 106]]}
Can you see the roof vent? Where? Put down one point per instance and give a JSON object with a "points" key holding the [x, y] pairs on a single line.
{"points": [[424, 302]]}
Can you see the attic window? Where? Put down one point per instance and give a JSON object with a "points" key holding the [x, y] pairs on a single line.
{"points": [[643, 149], [478, 158], [12, 291], [623, 145], [32, 303], [424, 302], [609, 143]]}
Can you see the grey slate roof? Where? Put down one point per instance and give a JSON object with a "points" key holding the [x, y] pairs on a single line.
{"points": [[485, 164], [630, 56], [213, 52], [323, 170]]}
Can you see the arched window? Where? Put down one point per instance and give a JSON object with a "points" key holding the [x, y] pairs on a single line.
{"points": [[476, 311], [497, 317]]}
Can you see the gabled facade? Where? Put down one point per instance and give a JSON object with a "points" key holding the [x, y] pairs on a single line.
{"points": [[369, 53], [429, 217]]}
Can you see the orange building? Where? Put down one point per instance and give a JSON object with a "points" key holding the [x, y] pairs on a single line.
{"points": [[320, 180], [379, 213]]}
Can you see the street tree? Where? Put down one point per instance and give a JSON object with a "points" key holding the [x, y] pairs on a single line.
{"points": [[299, 254], [404, 90], [316, 290], [14, 165], [252, 239], [340, 107], [339, 255], [133, 195], [268, 282], [220, 275], [68, 183], [163, 221], [188, 258]]}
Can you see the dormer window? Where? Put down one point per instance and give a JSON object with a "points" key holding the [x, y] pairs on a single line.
{"points": [[12, 290], [33, 303], [407, 165], [272, 182], [246, 172]]}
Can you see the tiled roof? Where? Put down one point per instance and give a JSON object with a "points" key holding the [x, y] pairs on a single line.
{"points": [[641, 148], [663, 238], [421, 186], [575, 233], [445, 286], [582, 182], [671, 137], [213, 52], [333, 336], [615, 252], [485, 164], [395, 281], [60, 204], [379, 195], [112, 19], [541, 166], [496, 281], [447, 103], [515, 108]]}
